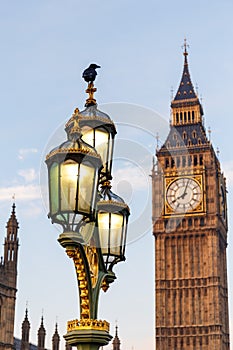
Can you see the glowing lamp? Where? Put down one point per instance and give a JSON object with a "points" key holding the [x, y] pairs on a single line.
{"points": [[112, 220]]}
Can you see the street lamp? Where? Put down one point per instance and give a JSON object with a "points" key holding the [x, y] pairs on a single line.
{"points": [[93, 218]]}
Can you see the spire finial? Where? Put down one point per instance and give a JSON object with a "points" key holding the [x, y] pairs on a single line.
{"points": [[157, 141], [26, 313], [185, 46], [172, 93], [185, 53], [209, 132]]}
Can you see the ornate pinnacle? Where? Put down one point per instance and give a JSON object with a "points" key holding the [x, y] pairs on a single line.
{"points": [[90, 101]]}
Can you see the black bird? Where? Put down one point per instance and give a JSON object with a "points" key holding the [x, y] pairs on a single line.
{"points": [[89, 74]]}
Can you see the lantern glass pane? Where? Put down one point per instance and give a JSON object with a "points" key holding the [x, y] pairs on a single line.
{"points": [[87, 188], [54, 188], [110, 231], [103, 225], [88, 135], [101, 145], [69, 176], [116, 233], [98, 138]]}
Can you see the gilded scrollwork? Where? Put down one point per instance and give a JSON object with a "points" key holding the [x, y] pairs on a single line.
{"points": [[88, 324], [92, 257], [75, 254]]}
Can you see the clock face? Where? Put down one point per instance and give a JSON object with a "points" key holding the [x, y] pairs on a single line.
{"points": [[184, 194]]}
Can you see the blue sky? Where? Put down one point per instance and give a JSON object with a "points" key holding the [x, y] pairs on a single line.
{"points": [[45, 46]]}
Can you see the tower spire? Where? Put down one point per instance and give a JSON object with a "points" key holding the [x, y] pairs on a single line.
{"points": [[41, 335], [11, 244], [186, 107], [56, 339], [116, 341], [25, 332]]}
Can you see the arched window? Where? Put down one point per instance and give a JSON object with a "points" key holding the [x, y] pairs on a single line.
{"points": [[193, 116], [189, 119], [195, 160], [181, 117]]}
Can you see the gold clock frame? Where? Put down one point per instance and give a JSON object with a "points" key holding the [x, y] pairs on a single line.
{"points": [[200, 209]]}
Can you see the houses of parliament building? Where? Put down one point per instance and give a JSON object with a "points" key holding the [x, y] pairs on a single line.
{"points": [[189, 213]]}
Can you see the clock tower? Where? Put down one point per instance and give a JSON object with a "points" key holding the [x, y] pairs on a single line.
{"points": [[190, 230]]}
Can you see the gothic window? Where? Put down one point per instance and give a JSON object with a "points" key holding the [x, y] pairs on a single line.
{"points": [[184, 135], [167, 163], [178, 162], [189, 119], [201, 160], [195, 161], [193, 116], [194, 134], [183, 161], [175, 137], [185, 117], [177, 118], [181, 117], [189, 143]]}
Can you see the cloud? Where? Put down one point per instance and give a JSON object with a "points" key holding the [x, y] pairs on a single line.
{"points": [[24, 152], [26, 192], [29, 175], [137, 177]]}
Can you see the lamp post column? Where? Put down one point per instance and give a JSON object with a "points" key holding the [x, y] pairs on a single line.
{"points": [[94, 220]]}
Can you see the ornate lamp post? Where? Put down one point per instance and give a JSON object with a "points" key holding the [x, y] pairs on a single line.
{"points": [[94, 220]]}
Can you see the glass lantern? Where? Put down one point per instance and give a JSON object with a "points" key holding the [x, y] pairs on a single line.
{"points": [[99, 131], [73, 169], [112, 220]]}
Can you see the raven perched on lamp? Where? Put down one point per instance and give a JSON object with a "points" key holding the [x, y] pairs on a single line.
{"points": [[90, 73]]}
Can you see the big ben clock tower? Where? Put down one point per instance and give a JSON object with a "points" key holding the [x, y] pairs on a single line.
{"points": [[190, 230]]}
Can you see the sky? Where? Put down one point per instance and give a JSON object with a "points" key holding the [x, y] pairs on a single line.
{"points": [[45, 46]]}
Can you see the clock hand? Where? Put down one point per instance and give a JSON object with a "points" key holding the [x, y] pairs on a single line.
{"points": [[185, 189], [182, 195]]}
